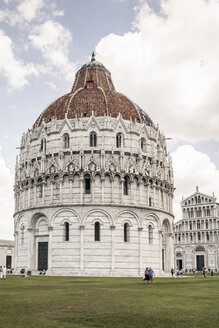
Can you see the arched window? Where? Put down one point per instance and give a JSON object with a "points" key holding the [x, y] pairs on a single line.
{"points": [[97, 231], [93, 139], [150, 234], [126, 232], [66, 227], [126, 185], [66, 141], [150, 201], [43, 145], [143, 144], [87, 184], [119, 140]]}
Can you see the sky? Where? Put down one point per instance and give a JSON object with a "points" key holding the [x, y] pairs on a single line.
{"points": [[163, 54]]}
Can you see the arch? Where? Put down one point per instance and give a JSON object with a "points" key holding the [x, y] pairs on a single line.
{"points": [[155, 217], [17, 224], [199, 249], [64, 221], [97, 210], [97, 220], [128, 212], [64, 210], [35, 217], [166, 226]]}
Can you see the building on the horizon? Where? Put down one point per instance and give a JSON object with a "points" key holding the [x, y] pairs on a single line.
{"points": [[7, 253], [196, 242], [93, 186]]}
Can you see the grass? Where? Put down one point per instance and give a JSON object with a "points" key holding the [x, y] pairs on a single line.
{"points": [[108, 302]]}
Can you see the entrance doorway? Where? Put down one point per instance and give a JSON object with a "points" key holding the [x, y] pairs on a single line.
{"points": [[179, 264], [200, 262], [42, 256]]}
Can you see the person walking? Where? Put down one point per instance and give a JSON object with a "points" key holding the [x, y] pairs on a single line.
{"points": [[4, 272], [172, 272], [151, 275], [1, 272]]}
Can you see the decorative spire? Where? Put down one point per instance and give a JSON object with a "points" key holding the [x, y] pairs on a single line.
{"points": [[93, 57]]}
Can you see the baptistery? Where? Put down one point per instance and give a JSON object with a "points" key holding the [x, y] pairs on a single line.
{"points": [[93, 186]]}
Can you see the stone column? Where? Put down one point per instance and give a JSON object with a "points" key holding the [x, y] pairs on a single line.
{"points": [[161, 246], [15, 251], [140, 251], [112, 189], [92, 188], [102, 188], [122, 191], [70, 187], [50, 251], [140, 191], [60, 189], [82, 248], [43, 192], [132, 191], [30, 250], [51, 193], [35, 193], [81, 188], [112, 227], [28, 201]]}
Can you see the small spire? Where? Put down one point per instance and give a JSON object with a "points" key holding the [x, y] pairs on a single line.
{"points": [[93, 56]]}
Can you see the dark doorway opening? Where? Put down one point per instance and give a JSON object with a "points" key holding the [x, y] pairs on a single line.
{"points": [[179, 264], [8, 261], [42, 256], [200, 262]]}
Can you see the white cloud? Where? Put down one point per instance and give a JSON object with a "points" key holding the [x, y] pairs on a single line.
{"points": [[53, 40], [169, 64], [192, 168], [6, 201], [25, 12], [14, 70], [29, 8]]}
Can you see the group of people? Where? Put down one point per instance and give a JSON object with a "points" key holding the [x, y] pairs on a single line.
{"points": [[148, 275], [176, 273], [3, 272]]}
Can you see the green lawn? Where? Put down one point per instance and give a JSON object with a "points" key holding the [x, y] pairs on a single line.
{"points": [[109, 302]]}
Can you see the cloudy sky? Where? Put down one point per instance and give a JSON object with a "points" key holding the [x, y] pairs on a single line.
{"points": [[163, 54]]}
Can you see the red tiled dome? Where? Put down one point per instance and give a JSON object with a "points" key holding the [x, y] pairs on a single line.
{"points": [[93, 91]]}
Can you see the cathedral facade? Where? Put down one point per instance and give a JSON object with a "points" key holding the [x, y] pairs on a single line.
{"points": [[93, 186], [196, 243]]}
